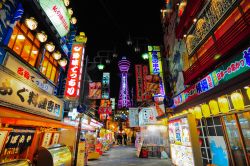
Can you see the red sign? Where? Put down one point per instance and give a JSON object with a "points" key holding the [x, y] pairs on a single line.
{"points": [[72, 89], [139, 83], [105, 110], [146, 95]]}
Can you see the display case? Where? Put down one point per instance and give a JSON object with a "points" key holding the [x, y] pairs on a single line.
{"points": [[56, 155], [184, 141]]}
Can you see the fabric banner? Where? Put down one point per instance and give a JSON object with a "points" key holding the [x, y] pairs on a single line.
{"points": [[147, 116], [95, 90], [133, 117]]}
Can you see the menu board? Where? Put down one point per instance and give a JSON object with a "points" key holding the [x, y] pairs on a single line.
{"points": [[180, 143], [61, 156], [182, 155]]}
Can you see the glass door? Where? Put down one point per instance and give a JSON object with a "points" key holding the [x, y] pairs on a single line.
{"points": [[234, 138]]}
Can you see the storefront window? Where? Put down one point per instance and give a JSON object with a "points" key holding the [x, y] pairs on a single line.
{"points": [[50, 67], [244, 119], [234, 139], [24, 43]]}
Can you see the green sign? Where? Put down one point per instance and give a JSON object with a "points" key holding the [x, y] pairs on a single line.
{"points": [[58, 15]]}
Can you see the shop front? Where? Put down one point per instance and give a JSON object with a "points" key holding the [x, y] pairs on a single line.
{"points": [[220, 103]]}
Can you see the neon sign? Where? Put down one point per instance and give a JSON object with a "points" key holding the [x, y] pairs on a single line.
{"points": [[73, 81], [226, 72]]}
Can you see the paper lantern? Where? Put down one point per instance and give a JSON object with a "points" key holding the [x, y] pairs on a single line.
{"points": [[214, 107], [197, 111], [31, 23], [41, 36], [205, 110], [248, 93], [191, 111], [50, 47], [223, 104], [62, 62], [57, 55], [237, 100]]}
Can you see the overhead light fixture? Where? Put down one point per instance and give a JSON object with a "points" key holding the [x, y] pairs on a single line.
{"points": [[184, 35], [100, 66], [66, 2], [50, 47], [70, 11], [129, 41], [145, 56], [115, 55], [20, 37], [31, 23], [137, 49], [57, 55], [41, 36], [62, 62], [195, 20], [107, 61], [73, 20]]}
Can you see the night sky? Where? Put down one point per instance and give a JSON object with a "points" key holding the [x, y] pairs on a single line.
{"points": [[108, 25]]}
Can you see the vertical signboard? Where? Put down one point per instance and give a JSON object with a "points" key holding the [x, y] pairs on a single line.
{"points": [[105, 85], [133, 117], [139, 82], [155, 64], [112, 100], [73, 81], [145, 72], [95, 90]]}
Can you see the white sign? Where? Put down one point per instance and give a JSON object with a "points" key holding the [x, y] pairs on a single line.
{"points": [[22, 70], [55, 138], [15, 93], [58, 15], [133, 117], [147, 116], [3, 135], [46, 139]]}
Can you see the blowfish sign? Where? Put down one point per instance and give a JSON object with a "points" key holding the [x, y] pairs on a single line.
{"points": [[74, 72], [58, 15]]}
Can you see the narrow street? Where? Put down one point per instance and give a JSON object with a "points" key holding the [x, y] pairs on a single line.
{"points": [[126, 156]]}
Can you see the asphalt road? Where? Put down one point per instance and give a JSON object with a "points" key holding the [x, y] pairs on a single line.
{"points": [[126, 156]]}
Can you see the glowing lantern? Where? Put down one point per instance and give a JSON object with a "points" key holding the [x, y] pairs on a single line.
{"points": [[73, 20], [31, 23], [66, 2], [248, 93], [191, 111], [70, 11], [197, 111], [56, 55], [205, 110], [62, 62], [223, 104], [214, 107], [50, 47], [237, 100], [41, 36]]}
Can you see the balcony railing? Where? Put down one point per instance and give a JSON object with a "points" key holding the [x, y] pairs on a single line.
{"points": [[208, 18], [238, 32]]}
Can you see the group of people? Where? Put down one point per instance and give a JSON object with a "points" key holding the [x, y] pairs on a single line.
{"points": [[121, 138]]}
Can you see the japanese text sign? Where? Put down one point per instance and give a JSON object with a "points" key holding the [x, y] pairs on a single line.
{"points": [[105, 85], [23, 96], [73, 81], [139, 82], [227, 71], [95, 90]]}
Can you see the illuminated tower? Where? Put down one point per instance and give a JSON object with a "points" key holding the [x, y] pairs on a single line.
{"points": [[124, 99]]}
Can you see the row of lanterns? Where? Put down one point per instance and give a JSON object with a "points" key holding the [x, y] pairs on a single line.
{"points": [[221, 105], [32, 24]]}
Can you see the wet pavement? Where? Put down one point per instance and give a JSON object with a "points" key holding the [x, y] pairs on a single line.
{"points": [[126, 156]]}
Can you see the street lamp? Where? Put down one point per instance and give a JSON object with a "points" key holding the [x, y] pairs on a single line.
{"points": [[100, 66]]}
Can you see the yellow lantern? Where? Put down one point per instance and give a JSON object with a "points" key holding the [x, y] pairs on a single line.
{"points": [[205, 110], [198, 114], [223, 104], [248, 93], [214, 107], [191, 111], [237, 100]]}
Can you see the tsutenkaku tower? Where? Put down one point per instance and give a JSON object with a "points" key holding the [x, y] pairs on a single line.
{"points": [[124, 99]]}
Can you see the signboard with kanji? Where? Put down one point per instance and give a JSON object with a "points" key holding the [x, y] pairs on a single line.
{"points": [[18, 94], [73, 82], [139, 83], [46, 139]]}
